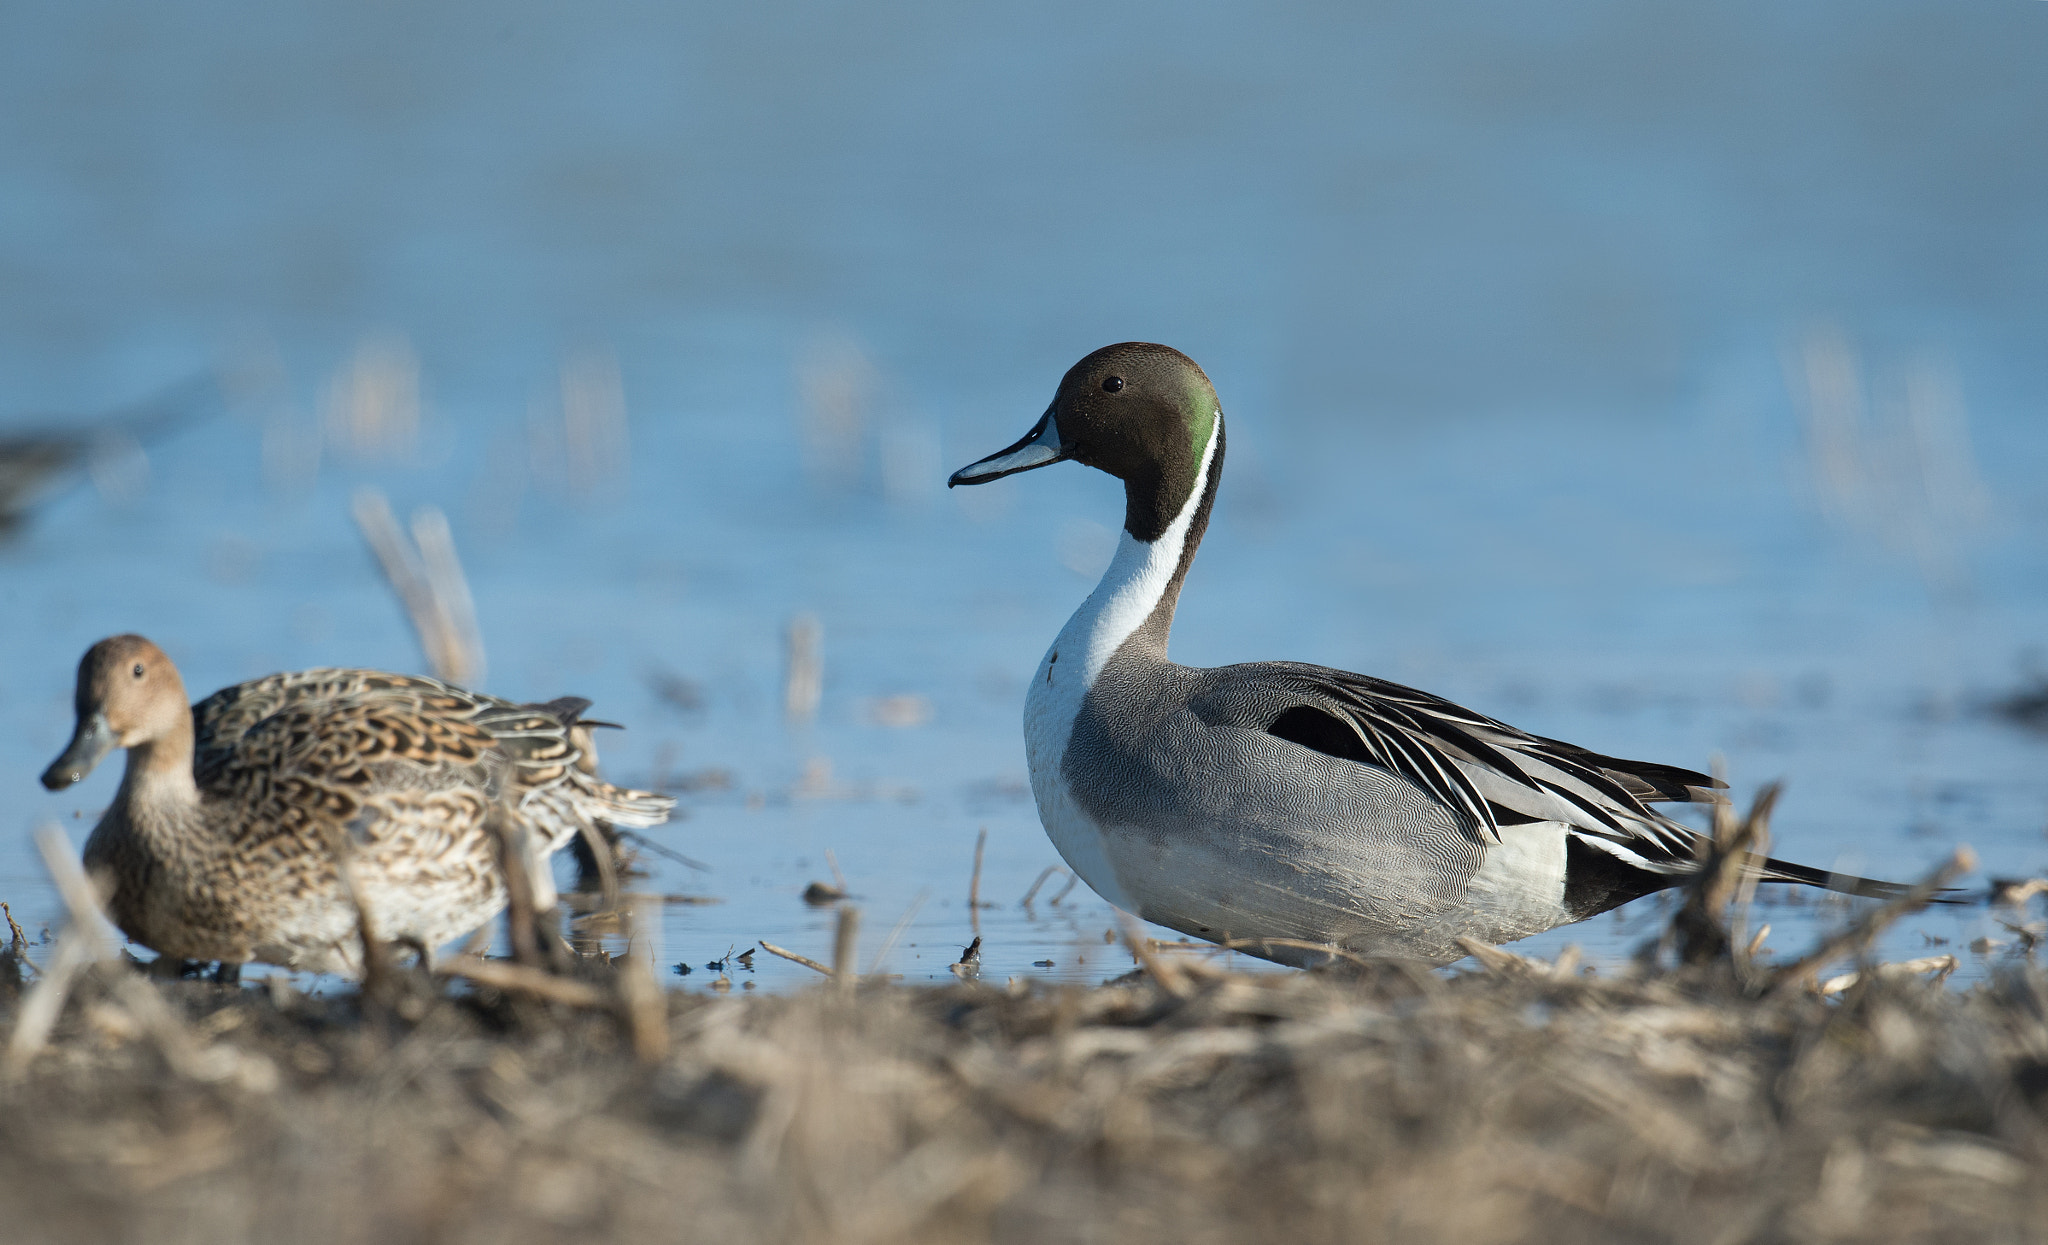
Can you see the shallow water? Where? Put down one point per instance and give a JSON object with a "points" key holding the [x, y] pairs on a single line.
{"points": [[1668, 383]]}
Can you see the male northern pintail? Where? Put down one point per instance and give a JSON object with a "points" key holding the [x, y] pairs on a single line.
{"points": [[223, 840], [1284, 807]]}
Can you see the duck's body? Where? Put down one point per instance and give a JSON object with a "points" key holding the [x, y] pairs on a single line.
{"points": [[1292, 809], [224, 840]]}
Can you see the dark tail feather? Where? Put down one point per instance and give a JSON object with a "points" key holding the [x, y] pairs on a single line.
{"points": [[564, 709], [1847, 883]]}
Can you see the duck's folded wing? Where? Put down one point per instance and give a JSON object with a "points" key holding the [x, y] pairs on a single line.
{"points": [[362, 743], [225, 724], [1495, 774], [359, 731]]}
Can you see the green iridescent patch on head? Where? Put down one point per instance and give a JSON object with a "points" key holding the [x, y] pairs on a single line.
{"points": [[1202, 413]]}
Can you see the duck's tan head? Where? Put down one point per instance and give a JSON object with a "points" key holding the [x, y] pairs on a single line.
{"points": [[129, 695]]}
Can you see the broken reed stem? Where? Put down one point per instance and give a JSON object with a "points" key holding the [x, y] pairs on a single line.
{"points": [[804, 673], [83, 941], [1073, 880], [1856, 938], [896, 931], [499, 975], [1940, 965], [1735, 850], [974, 882], [1043, 874], [1742, 950], [845, 939], [1495, 960], [76, 890], [1247, 944], [793, 957], [88, 940], [520, 908], [640, 997], [448, 587], [44, 1003], [607, 867], [1161, 970], [425, 573], [376, 956], [16, 939]]}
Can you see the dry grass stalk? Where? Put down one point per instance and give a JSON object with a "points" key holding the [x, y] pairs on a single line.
{"points": [[17, 941], [1940, 965], [1496, 1109], [974, 882], [1728, 867], [373, 402], [1495, 960], [604, 855], [427, 576], [1159, 968], [2017, 893], [803, 683], [378, 972], [39, 1010], [1073, 880], [640, 997], [1043, 874], [896, 932], [88, 941], [1755, 945], [845, 943], [1855, 940], [524, 979], [523, 907], [794, 958]]}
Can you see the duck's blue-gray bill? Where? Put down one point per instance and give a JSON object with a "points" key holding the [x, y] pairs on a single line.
{"points": [[90, 744], [1040, 448]]}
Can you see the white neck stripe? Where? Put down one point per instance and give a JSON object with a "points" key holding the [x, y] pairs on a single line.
{"points": [[1135, 581]]}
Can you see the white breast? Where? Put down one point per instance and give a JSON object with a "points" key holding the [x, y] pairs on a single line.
{"points": [[1130, 589]]}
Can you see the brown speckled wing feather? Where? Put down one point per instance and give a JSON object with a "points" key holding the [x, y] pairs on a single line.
{"points": [[327, 740]]}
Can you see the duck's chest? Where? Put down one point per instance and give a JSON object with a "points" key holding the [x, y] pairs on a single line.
{"points": [[1059, 691]]}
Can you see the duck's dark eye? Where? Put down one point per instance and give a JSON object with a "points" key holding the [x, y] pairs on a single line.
{"points": [[1113, 384], [138, 669]]}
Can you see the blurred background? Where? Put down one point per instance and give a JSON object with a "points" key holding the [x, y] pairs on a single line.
{"points": [[1670, 379]]}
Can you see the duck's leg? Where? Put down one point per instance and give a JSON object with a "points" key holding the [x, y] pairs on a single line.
{"points": [[227, 974]]}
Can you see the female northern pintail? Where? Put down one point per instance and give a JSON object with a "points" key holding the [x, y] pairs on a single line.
{"points": [[223, 840], [1284, 807]]}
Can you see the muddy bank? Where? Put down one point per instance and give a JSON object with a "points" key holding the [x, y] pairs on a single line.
{"points": [[1528, 1102]]}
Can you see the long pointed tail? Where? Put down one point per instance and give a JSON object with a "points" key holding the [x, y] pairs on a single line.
{"points": [[1846, 883]]}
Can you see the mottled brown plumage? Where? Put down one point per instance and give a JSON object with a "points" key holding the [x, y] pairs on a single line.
{"points": [[223, 841]]}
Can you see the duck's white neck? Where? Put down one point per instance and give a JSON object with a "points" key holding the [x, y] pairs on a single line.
{"points": [[1132, 591]]}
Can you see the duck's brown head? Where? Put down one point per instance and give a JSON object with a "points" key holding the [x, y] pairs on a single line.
{"points": [[1142, 412], [129, 695]]}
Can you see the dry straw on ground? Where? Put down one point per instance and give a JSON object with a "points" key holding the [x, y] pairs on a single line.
{"points": [[1384, 1105], [1720, 1100]]}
